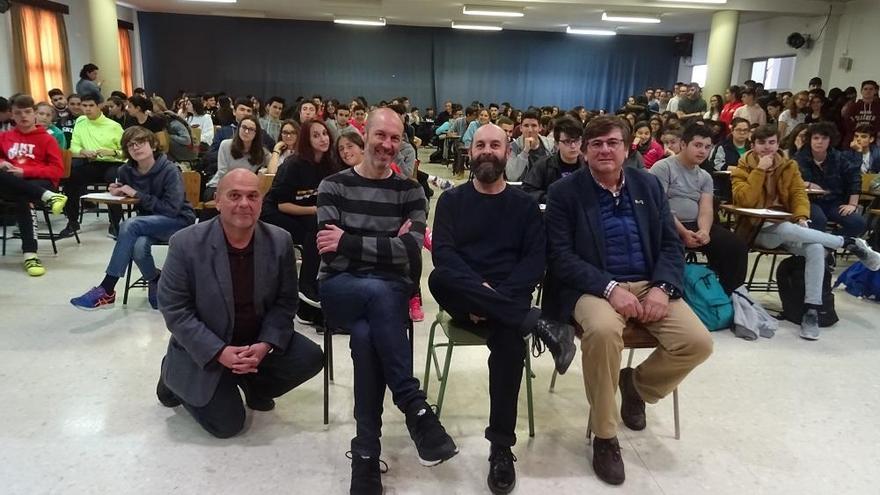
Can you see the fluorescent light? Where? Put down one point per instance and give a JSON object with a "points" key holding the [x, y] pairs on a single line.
{"points": [[620, 17], [590, 32], [695, 1], [475, 26], [491, 11], [361, 21], [213, 1]]}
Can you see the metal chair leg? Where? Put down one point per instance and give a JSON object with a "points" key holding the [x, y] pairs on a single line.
{"points": [[429, 357], [629, 362], [553, 381], [49, 228], [328, 342], [127, 283], [531, 410], [445, 378], [675, 413], [590, 428]]}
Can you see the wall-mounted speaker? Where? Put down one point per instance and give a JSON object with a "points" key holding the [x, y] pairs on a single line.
{"points": [[4, 6], [684, 45]]}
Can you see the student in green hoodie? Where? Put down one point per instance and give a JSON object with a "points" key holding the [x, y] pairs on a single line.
{"points": [[97, 155]]}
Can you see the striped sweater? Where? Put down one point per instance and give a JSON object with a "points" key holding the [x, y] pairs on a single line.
{"points": [[371, 212]]}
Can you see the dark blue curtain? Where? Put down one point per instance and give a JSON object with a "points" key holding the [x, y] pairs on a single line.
{"points": [[429, 65]]}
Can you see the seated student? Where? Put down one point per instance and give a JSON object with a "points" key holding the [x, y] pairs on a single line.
{"points": [[727, 154], [6, 121], [286, 145], [528, 148], [30, 168], [614, 256], [690, 192], [864, 150], [765, 179], [96, 158], [231, 327], [486, 269], [646, 145], [45, 114], [197, 118], [241, 151], [483, 118], [567, 159], [162, 209], [372, 228], [180, 140], [139, 109], [838, 174], [65, 114], [670, 137], [340, 124], [243, 108], [291, 205]]}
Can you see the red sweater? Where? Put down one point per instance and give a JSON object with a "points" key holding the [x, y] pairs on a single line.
{"points": [[36, 153], [859, 112], [728, 110]]}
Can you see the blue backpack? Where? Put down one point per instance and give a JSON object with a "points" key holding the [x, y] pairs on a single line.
{"points": [[704, 294], [860, 281]]}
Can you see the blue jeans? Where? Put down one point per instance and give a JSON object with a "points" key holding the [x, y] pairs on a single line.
{"points": [[136, 236], [375, 310], [852, 225]]}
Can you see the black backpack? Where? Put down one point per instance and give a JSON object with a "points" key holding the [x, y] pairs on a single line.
{"points": [[790, 277]]}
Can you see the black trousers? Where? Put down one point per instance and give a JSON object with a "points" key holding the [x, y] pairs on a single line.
{"points": [[223, 416], [728, 256], [509, 321], [82, 173], [23, 192]]}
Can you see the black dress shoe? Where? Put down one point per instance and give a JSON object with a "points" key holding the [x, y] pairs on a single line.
{"points": [[607, 461], [502, 474], [559, 339], [255, 402], [632, 407], [165, 395]]}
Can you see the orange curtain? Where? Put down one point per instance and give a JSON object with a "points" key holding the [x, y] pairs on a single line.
{"points": [[125, 60], [40, 40]]}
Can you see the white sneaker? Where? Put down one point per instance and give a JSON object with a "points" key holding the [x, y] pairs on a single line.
{"points": [[865, 254]]}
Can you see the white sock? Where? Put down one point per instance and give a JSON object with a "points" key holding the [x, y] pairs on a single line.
{"points": [[28, 256], [47, 195]]}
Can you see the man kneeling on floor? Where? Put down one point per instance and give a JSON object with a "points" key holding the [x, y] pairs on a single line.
{"points": [[615, 259], [228, 294], [486, 268]]}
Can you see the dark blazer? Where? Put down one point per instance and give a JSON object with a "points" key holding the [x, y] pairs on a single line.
{"points": [[195, 297], [576, 257]]}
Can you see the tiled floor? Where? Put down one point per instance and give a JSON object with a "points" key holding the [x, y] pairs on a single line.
{"points": [[80, 416]]}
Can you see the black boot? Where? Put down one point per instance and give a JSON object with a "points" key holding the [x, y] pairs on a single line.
{"points": [[502, 474], [559, 339]]}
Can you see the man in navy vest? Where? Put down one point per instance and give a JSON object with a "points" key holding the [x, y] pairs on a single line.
{"points": [[615, 259]]}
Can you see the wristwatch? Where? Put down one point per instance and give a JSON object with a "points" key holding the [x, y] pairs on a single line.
{"points": [[669, 289]]}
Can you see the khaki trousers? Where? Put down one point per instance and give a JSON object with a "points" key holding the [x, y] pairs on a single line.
{"points": [[684, 343]]}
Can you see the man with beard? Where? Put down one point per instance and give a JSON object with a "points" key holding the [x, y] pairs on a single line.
{"points": [[486, 268], [372, 225], [64, 116]]}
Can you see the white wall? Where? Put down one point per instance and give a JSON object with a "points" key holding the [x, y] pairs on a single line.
{"points": [[859, 39], [78, 40], [698, 56]]}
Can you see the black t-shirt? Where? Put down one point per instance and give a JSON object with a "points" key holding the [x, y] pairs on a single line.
{"points": [[296, 182], [241, 266], [152, 123]]}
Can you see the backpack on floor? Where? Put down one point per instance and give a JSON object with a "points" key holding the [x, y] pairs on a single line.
{"points": [[790, 277], [860, 281], [750, 319], [704, 294]]}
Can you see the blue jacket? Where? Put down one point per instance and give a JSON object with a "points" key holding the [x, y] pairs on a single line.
{"points": [[840, 175], [873, 158], [577, 260]]}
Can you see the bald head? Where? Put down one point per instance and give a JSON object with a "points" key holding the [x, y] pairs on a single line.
{"points": [[489, 132], [239, 177], [383, 116], [384, 133], [489, 151]]}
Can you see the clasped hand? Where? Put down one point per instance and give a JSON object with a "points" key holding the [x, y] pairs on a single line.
{"points": [[243, 359], [655, 307]]}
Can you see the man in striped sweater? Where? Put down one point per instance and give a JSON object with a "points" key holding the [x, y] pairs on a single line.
{"points": [[372, 225]]}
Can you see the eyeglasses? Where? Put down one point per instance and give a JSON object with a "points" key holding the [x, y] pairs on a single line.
{"points": [[135, 144], [598, 144], [248, 130], [288, 133], [570, 142]]}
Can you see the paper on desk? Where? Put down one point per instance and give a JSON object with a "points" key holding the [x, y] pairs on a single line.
{"points": [[102, 196], [764, 211]]}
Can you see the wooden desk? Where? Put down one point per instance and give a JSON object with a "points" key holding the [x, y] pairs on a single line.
{"points": [[108, 199], [745, 227]]}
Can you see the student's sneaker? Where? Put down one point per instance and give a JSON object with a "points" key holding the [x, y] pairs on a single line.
{"points": [[502, 474], [415, 309], [433, 444], [69, 230], [95, 298], [443, 184], [34, 267], [302, 321], [113, 231], [310, 297], [153, 293], [869, 257], [56, 203], [429, 239], [810, 325], [366, 475]]}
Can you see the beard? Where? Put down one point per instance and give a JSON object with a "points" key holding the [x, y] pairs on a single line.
{"points": [[488, 168]]}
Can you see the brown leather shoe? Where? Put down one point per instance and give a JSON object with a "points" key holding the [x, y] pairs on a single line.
{"points": [[632, 407], [607, 461]]}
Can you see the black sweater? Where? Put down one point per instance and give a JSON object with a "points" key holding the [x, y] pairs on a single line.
{"points": [[497, 238]]}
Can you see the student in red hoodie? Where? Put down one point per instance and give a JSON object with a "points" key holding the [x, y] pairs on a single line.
{"points": [[30, 167]]}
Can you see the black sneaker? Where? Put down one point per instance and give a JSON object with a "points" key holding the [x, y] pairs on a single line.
{"points": [[432, 442], [165, 395], [502, 474], [607, 461], [632, 407], [309, 296], [69, 230], [113, 231], [366, 475], [559, 339]]}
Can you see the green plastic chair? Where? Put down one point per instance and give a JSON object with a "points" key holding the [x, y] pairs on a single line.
{"points": [[457, 336]]}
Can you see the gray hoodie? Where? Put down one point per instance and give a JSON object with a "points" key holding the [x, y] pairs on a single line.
{"points": [[160, 190]]}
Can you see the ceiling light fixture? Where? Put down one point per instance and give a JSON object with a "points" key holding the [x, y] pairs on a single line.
{"points": [[485, 10], [360, 21], [590, 32], [475, 26], [637, 18], [716, 2]]}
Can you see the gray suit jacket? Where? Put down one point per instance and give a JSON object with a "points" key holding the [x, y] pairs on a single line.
{"points": [[195, 297]]}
